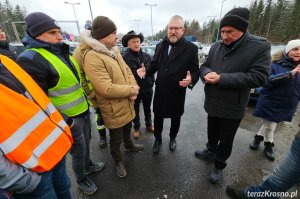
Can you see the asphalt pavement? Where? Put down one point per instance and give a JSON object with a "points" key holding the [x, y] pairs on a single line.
{"points": [[178, 174]]}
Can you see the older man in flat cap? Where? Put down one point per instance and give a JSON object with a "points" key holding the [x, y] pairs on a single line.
{"points": [[237, 63]]}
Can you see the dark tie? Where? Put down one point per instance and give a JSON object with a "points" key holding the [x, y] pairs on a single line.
{"points": [[171, 52]]}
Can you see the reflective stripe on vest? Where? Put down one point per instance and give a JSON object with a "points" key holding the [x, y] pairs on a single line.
{"points": [[90, 86], [37, 152], [34, 134], [67, 95], [21, 134]]}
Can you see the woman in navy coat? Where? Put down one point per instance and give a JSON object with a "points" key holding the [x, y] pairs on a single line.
{"points": [[279, 98]]}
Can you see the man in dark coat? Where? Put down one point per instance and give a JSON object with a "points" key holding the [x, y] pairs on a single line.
{"points": [[4, 46], [135, 58], [177, 66], [234, 65]]}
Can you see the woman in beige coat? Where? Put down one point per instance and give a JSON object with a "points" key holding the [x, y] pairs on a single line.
{"points": [[114, 85]]}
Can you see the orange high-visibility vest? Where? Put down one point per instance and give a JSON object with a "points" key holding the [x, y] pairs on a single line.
{"points": [[32, 132]]}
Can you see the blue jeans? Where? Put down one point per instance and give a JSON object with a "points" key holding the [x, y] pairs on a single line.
{"points": [[55, 184], [284, 176], [80, 150]]}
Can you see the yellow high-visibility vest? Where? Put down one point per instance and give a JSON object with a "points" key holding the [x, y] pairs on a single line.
{"points": [[67, 95]]}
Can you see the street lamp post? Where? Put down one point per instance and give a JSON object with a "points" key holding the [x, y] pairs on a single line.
{"points": [[91, 10], [75, 14], [137, 24], [208, 39], [220, 20], [151, 5]]}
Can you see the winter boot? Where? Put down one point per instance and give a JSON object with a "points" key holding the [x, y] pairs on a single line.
{"points": [[269, 151], [257, 140]]}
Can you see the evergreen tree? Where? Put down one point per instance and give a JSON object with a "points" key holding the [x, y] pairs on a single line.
{"points": [[294, 22], [259, 13], [267, 19], [252, 9], [8, 15]]}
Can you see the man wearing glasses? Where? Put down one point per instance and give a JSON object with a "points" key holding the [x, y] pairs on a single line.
{"points": [[177, 66]]}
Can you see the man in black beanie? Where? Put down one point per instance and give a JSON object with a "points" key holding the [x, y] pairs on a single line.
{"points": [[48, 61], [237, 63]]}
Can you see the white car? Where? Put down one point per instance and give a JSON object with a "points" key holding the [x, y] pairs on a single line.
{"points": [[201, 51]]}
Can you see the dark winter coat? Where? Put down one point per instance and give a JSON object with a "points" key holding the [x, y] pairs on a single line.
{"points": [[279, 98], [169, 97], [4, 50], [242, 67], [38, 67], [134, 61]]}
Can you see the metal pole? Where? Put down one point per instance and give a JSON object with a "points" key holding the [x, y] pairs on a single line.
{"points": [[151, 24], [137, 24], [76, 19], [15, 29], [91, 10], [151, 17], [75, 14], [220, 20]]}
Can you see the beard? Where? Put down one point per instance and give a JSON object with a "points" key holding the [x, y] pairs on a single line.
{"points": [[173, 39]]}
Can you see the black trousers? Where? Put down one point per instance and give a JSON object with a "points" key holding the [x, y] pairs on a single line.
{"points": [[146, 97], [159, 123], [220, 133], [116, 137]]}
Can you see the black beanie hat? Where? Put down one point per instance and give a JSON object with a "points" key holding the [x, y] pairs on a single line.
{"points": [[102, 27], [237, 18], [38, 23]]}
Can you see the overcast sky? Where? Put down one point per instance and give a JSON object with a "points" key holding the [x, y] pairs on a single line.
{"points": [[125, 12]]}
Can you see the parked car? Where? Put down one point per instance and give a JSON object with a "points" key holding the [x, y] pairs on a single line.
{"points": [[149, 50], [201, 53]]}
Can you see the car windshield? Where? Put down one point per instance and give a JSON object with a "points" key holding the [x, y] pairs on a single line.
{"points": [[149, 50]]}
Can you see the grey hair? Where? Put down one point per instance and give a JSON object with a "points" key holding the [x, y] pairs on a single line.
{"points": [[177, 17]]}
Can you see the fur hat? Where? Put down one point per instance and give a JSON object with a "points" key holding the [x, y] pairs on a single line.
{"points": [[292, 44], [102, 27], [131, 34], [237, 18], [38, 23]]}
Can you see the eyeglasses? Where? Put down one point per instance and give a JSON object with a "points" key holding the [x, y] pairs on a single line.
{"points": [[174, 28]]}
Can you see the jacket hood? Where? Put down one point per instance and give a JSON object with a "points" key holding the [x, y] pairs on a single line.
{"points": [[282, 58], [30, 42], [59, 48], [277, 56], [88, 42]]}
